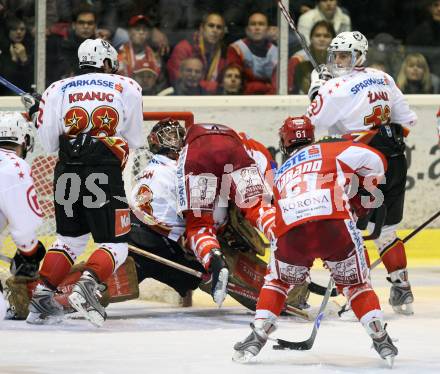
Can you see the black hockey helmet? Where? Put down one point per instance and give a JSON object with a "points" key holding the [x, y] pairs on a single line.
{"points": [[166, 136]]}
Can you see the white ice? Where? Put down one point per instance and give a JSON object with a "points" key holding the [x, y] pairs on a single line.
{"points": [[145, 337]]}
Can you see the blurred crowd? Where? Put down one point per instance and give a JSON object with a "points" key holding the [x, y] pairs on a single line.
{"points": [[207, 47]]}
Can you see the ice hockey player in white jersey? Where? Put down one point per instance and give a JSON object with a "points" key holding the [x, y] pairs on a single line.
{"points": [[19, 209], [91, 120], [367, 104]]}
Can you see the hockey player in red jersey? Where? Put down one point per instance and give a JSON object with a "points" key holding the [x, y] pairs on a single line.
{"points": [[215, 167], [314, 220]]}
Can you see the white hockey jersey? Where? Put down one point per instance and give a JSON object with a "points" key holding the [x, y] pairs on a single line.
{"points": [[155, 195], [18, 200], [358, 101], [107, 106]]}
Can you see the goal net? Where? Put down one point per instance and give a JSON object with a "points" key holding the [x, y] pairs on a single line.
{"points": [[42, 166]]}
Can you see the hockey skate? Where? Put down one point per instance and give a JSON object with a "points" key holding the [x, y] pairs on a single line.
{"points": [[43, 308], [220, 275], [252, 345], [83, 299], [401, 296], [382, 342]]}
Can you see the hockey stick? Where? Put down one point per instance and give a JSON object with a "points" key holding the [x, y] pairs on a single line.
{"points": [[232, 287], [320, 290], [305, 345], [410, 235], [5, 258], [11, 86], [302, 41]]}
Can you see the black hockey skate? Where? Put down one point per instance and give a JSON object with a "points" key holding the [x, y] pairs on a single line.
{"points": [[84, 299], [220, 275], [382, 342], [43, 308], [256, 340], [401, 296]]}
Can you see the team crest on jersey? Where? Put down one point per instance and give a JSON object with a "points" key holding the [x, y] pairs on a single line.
{"points": [[32, 200], [77, 119], [144, 198]]}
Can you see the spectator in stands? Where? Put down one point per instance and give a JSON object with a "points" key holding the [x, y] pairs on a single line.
{"points": [[415, 78], [256, 55], [16, 56], [379, 66], [300, 66], [426, 37], [207, 46], [138, 52], [146, 73], [190, 78], [385, 49], [62, 53], [327, 10], [231, 81]]}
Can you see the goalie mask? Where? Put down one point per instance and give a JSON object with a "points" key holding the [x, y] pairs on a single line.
{"points": [[93, 53], [296, 132], [166, 137], [14, 128], [346, 51]]}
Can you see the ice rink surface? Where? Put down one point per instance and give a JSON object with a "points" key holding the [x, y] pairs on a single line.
{"points": [[152, 338]]}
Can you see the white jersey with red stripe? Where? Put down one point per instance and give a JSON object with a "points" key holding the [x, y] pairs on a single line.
{"points": [[312, 184], [106, 106], [18, 201], [155, 196], [358, 101]]}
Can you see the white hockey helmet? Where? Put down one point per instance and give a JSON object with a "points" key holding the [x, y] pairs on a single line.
{"points": [[14, 128], [93, 53], [347, 41]]}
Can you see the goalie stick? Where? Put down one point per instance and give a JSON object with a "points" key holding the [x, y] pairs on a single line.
{"points": [[232, 287], [307, 344]]}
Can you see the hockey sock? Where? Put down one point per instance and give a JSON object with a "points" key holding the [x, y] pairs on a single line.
{"points": [[364, 302], [101, 263], [55, 267], [393, 256], [272, 298]]}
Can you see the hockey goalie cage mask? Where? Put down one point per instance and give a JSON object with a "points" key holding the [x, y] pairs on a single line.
{"points": [[167, 136], [14, 128], [352, 42], [93, 53], [296, 132]]}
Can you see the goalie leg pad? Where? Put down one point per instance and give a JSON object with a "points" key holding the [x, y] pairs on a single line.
{"points": [[18, 291]]}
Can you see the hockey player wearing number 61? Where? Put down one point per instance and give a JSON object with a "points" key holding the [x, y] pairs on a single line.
{"points": [[367, 104], [310, 197], [91, 120]]}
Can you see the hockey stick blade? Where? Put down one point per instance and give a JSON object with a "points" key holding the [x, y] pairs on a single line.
{"points": [[305, 345], [308, 344]]}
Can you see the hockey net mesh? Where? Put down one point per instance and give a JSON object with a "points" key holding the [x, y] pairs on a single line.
{"points": [[42, 165]]}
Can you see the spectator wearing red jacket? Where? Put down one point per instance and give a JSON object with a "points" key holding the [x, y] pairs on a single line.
{"points": [[256, 55], [205, 45]]}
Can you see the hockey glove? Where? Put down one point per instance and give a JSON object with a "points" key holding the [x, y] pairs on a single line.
{"points": [[27, 266], [318, 79], [220, 275], [31, 102]]}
